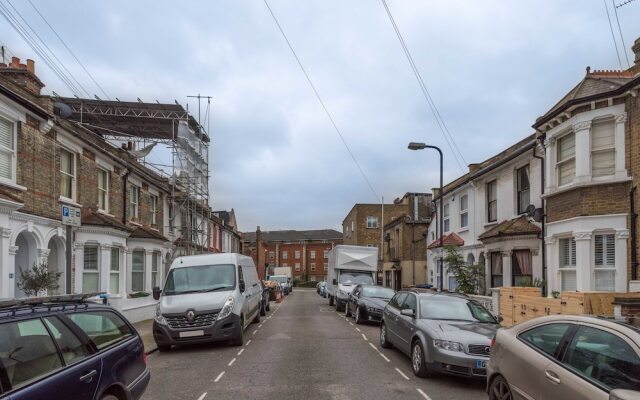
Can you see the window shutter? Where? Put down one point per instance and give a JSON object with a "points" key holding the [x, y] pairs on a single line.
{"points": [[6, 134], [610, 250], [598, 249], [567, 253]]}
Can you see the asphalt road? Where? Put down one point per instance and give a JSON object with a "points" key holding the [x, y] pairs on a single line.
{"points": [[303, 349]]}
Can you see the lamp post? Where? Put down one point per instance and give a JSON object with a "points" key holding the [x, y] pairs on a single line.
{"points": [[420, 146]]}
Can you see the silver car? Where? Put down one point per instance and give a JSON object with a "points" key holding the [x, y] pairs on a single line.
{"points": [[565, 357], [440, 332]]}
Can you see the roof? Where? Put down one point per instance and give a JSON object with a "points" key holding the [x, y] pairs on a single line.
{"points": [[513, 227], [452, 239], [228, 217], [94, 218], [594, 85], [143, 233], [293, 235], [8, 89]]}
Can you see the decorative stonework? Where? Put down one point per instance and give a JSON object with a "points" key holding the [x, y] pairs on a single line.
{"points": [[622, 234], [548, 142], [582, 236], [621, 118], [581, 126], [13, 250], [551, 240], [43, 253], [105, 247], [5, 232], [534, 252]]}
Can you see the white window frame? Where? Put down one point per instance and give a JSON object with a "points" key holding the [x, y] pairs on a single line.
{"points": [[560, 163], [153, 210], [103, 191], [285, 255], [134, 206], [297, 266], [446, 220], [114, 272], [73, 175], [609, 149], [313, 266], [313, 255], [372, 222], [143, 272], [326, 266], [297, 254], [521, 208], [490, 201], [13, 153], [90, 271], [571, 267], [464, 212], [607, 264], [155, 264], [326, 253]]}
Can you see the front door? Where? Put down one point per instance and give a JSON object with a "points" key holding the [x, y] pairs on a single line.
{"points": [[397, 284]]}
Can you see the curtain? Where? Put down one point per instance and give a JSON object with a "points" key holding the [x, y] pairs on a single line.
{"points": [[496, 263], [524, 261]]}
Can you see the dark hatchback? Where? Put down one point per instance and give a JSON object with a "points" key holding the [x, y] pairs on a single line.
{"points": [[367, 302], [69, 348]]}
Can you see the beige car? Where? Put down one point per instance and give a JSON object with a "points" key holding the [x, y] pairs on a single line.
{"points": [[565, 357]]}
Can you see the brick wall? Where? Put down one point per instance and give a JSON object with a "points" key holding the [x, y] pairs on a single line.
{"points": [[590, 200], [633, 165], [362, 235]]}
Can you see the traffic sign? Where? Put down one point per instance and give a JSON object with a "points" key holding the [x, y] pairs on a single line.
{"points": [[70, 215]]}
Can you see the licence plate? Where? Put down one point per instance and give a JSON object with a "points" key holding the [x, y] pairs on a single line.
{"points": [[481, 364], [192, 333]]}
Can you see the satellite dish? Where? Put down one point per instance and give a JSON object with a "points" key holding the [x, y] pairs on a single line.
{"points": [[63, 109], [530, 210], [538, 214]]}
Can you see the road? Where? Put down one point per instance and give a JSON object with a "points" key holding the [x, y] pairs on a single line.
{"points": [[303, 349]]}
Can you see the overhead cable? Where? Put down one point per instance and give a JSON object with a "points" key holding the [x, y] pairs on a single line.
{"points": [[613, 36]]}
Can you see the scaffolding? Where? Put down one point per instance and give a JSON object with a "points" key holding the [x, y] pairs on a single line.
{"points": [[137, 127]]}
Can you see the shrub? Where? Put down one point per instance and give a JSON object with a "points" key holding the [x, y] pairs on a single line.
{"points": [[470, 277], [38, 279]]}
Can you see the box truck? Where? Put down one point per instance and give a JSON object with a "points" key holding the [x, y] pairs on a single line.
{"points": [[283, 275], [348, 267]]}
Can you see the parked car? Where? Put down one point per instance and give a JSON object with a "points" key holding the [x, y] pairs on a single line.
{"points": [[367, 302], [441, 332], [66, 347], [565, 357], [264, 305], [284, 282], [321, 288], [207, 298]]}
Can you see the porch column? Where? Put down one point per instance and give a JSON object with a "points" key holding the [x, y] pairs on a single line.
{"points": [[148, 262], [5, 260], [552, 265], [582, 132], [620, 145], [584, 269], [43, 255], [622, 237], [507, 273], [79, 256], [104, 267], [11, 283]]}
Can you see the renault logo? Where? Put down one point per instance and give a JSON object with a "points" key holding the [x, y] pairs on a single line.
{"points": [[191, 315]]}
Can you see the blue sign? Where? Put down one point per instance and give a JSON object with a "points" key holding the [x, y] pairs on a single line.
{"points": [[65, 211]]}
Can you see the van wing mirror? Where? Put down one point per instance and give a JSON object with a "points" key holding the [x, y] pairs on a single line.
{"points": [[335, 281], [242, 286], [156, 293]]}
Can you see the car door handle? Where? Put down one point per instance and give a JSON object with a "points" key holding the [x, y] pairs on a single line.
{"points": [[88, 376], [552, 376]]}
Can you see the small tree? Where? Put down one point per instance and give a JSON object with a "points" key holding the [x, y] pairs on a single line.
{"points": [[470, 277], [38, 279]]}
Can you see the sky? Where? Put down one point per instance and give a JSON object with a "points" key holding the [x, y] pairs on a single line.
{"points": [[491, 67]]}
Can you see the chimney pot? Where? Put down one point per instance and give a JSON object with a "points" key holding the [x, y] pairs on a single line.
{"points": [[473, 168], [636, 50], [31, 66]]}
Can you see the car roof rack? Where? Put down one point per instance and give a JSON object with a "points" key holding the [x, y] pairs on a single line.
{"points": [[34, 301]]}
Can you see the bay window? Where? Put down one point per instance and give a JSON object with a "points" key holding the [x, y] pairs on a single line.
{"points": [[566, 156]]}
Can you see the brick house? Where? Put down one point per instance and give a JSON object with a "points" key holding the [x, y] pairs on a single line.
{"points": [[592, 163], [306, 252], [404, 263]]}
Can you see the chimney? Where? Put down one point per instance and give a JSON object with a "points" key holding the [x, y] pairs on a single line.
{"points": [[473, 168], [636, 51], [23, 75]]}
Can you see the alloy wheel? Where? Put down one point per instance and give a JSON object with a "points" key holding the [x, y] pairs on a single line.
{"points": [[358, 315], [416, 358], [383, 334], [500, 390]]}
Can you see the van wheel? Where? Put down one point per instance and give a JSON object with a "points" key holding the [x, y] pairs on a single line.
{"points": [[331, 301], [239, 340], [256, 320], [263, 310], [268, 307], [164, 348]]}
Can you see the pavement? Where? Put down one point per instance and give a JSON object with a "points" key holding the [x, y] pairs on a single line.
{"points": [[145, 329], [302, 349]]}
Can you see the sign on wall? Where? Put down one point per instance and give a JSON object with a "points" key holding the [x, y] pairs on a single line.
{"points": [[70, 215]]}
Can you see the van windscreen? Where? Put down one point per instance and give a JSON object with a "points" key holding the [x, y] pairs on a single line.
{"points": [[200, 278]]}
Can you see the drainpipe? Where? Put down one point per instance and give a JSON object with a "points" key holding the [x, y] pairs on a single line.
{"points": [[634, 249], [544, 218], [124, 197]]}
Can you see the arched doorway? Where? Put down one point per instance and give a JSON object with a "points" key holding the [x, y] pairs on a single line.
{"points": [[26, 257], [471, 259], [56, 262]]}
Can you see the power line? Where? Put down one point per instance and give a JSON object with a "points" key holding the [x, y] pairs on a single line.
{"points": [[624, 46], [615, 43], [432, 105], [69, 50], [335, 126], [624, 3]]}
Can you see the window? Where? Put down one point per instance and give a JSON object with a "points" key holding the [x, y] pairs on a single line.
{"points": [[114, 272], [372, 222], [326, 254], [297, 254], [7, 150], [605, 262], [72, 349], [153, 210], [103, 190], [137, 271], [313, 266], [172, 217], [154, 270], [545, 338], [604, 359], [522, 268], [67, 174], [397, 300], [496, 269], [603, 151], [32, 354], [566, 164], [134, 194], [90, 274], [313, 254], [297, 266], [272, 255], [104, 328], [410, 303], [492, 201], [326, 266], [285, 255], [446, 218], [523, 189], [464, 214], [568, 264]]}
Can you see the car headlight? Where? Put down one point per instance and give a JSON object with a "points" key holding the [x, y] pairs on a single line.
{"points": [[227, 308], [373, 309], [158, 317], [448, 345]]}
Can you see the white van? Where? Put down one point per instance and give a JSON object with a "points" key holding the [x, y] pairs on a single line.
{"points": [[207, 298]]}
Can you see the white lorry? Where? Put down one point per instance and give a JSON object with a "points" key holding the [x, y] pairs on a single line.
{"points": [[284, 275], [348, 267]]}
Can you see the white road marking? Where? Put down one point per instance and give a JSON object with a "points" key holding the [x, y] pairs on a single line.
{"points": [[240, 352], [402, 373], [426, 396], [234, 360], [254, 332], [385, 357], [351, 323], [358, 329], [374, 346], [248, 341], [364, 337], [202, 396], [219, 376], [259, 326]]}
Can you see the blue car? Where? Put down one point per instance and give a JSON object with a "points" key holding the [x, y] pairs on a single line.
{"points": [[69, 348]]}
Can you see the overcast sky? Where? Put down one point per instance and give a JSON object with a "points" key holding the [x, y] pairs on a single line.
{"points": [[491, 67]]}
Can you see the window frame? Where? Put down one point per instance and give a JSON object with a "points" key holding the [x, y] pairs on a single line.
{"points": [[92, 271], [134, 271], [113, 271], [522, 208], [155, 269], [560, 163], [134, 211], [73, 163], [572, 266], [558, 352], [313, 266], [464, 212], [13, 153], [296, 254], [606, 266], [103, 192], [312, 254], [372, 222], [97, 349], [153, 210], [492, 217], [609, 149], [446, 224]]}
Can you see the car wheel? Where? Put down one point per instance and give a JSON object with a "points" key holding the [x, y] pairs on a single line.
{"points": [[164, 348], [347, 313], [256, 320], [499, 389], [109, 397], [418, 363], [263, 310], [239, 340], [268, 308], [384, 342], [331, 301], [358, 319]]}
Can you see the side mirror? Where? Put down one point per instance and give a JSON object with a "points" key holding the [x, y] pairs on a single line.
{"points": [[156, 293], [242, 286], [623, 394], [335, 281], [500, 319], [408, 312]]}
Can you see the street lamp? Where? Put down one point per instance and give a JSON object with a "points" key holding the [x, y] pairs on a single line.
{"points": [[420, 146]]}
